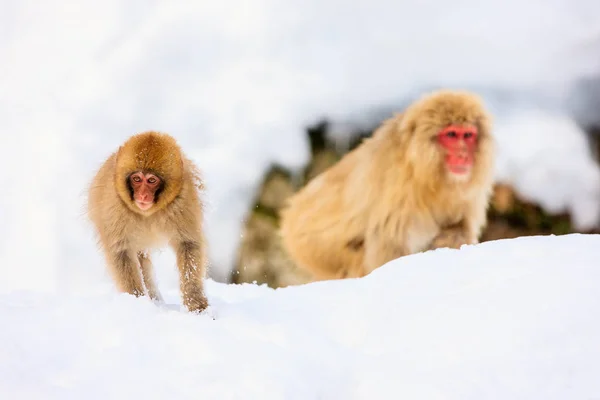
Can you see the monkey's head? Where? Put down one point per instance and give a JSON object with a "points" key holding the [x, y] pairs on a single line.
{"points": [[149, 172], [448, 135]]}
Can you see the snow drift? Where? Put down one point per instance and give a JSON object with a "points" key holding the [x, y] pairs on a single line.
{"points": [[512, 319]]}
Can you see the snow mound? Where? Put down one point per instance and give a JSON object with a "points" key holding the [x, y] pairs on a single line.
{"points": [[534, 169], [511, 319]]}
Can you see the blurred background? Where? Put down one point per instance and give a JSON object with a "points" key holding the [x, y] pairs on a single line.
{"points": [[263, 95]]}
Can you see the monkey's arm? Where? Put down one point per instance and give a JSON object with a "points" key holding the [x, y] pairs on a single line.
{"points": [[126, 271], [476, 219], [148, 276], [191, 265]]}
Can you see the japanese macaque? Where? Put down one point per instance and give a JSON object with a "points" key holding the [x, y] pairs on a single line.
{"points": [[422, 181], [144, 196]]}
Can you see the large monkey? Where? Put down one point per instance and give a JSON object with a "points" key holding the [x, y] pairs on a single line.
{"points": [[422, 181], [144, 196]]}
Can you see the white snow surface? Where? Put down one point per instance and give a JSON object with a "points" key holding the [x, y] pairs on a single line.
{"points": [[510, 319], [237, 83]]}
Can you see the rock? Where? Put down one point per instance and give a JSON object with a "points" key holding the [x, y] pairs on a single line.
{"points": [[261, 258], [323, 152]]}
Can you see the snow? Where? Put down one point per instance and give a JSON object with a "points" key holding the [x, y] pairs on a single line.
{"points": [[238, 82], [573, 184], [510, 319]]}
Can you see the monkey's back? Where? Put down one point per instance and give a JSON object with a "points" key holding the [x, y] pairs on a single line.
{"points": [[325, 227], [322, 226]]}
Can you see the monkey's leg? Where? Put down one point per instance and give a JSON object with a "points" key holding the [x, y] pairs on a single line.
{"points": [[126, 273], [190, 261], [379, 251], [148, 275]]}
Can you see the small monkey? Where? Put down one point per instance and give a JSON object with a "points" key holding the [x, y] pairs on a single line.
{"points": [[422, 181], [145, 196]]}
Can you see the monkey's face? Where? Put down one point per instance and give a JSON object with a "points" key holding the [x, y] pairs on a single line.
{"points": [[458, 145], [144, 188]]}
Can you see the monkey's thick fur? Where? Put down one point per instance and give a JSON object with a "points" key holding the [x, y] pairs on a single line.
{"points": [[126, 233], [391, 196]]}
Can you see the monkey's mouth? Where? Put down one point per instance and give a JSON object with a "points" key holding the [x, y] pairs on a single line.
{"points": [[143, 206], [459, 169]]}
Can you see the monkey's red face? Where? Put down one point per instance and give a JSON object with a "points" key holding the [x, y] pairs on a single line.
{"points": [[144, 188], [459, 143]]}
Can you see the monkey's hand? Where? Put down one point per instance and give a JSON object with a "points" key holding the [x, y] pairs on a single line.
{"points": [[194, 299], [449, 237]]}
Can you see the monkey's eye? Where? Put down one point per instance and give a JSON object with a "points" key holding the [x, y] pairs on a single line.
{"points": [[468, 135], [136, 179], [152, 180], [451, 134]]}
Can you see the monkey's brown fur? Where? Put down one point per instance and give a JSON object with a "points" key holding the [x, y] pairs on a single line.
{"points": [[126, 234], [391, 196]]}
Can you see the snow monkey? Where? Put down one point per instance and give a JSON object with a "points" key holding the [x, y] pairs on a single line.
{"points": [[144, 196], [422, 181]]}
